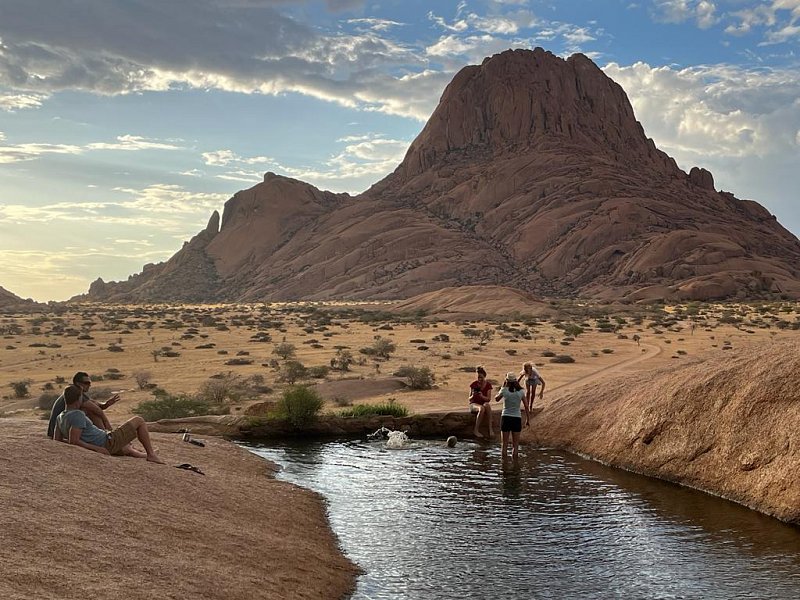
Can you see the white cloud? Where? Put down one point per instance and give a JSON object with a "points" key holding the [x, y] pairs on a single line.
{"points": [[375, 24], [779, 19], [14, 102], [703, 12], [31, 151]]}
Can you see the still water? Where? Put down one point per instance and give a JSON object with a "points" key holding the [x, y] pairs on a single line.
{"points": [[427, 522]]}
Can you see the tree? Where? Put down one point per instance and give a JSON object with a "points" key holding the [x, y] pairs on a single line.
{"points": [[292, 370], [285, 350], [419, 378], [485, 337], [142, 378], [342, 360], [383, 347]]}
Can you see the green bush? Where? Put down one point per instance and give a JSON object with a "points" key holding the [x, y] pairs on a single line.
{"points": [[318, 372], [299, 405], [370, 410], [166, 406]]}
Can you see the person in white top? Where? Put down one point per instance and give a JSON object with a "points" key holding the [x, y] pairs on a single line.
{"points": [[532, 378], [513, 397]]}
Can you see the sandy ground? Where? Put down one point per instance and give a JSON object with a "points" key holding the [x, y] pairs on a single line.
{"points": [[76, 524]]}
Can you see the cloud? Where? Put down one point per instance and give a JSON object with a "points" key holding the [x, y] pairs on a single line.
{"points": [[14, 102], [375, 24], [702, 12], [31, 151], [719, 110], [118, 47], [779, 20], [362, 160]]}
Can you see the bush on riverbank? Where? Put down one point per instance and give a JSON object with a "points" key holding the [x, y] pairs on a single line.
{"points": [[369, 410], [166, 406], [299, 405]]}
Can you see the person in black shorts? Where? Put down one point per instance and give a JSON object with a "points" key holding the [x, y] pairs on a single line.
{"points": [[512, 395]]}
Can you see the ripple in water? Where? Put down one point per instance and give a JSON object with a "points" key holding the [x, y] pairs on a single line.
{"points": [[426, 522]]}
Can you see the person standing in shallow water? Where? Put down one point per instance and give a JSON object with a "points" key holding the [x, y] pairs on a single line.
{"points": [[514, 402], [480, 394]]}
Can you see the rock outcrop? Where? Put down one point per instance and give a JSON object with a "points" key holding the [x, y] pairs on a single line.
{"points": [[10, 301], [727, 425], [532, 173]]}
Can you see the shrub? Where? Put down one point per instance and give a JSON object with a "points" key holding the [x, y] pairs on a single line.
{"points": [[292, 370], [21, 388], [342, 360], [166, 406], [383, 347], [285, 350], [420, 378], [318, 372], [299, 405], [370, 410], [115, 348], [548, 353], [562, 358], [607, 351], [341, 401], [46, 400], [142, 378], [239, 361], [219, 388]]}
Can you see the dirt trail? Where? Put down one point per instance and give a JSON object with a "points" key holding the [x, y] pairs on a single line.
{"points": [[652, 352]]}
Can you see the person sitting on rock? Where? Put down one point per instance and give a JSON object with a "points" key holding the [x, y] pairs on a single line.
{"points": [[480, 392], [93, 410], [74, 427]]}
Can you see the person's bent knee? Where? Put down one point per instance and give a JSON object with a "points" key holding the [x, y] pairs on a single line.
{"points": [[137, 421]]}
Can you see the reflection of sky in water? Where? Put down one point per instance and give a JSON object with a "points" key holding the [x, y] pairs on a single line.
{"points": [[428, 521]]}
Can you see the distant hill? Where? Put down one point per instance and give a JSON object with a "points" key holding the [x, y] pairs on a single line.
{"points": [[532, 173], [9, 300]]}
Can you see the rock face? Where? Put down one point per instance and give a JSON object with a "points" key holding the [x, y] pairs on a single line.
{"points": [[532, 173], [10, 301], [727, 425]]}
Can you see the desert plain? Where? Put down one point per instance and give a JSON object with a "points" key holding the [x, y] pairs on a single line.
{"points": [[235, 531]]}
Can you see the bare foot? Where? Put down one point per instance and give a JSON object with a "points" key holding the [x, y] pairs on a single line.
{"points": [[478, 434], [155, 459]]}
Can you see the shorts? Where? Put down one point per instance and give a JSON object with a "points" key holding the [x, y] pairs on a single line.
{"points": [[120, 437], [513, 424]]}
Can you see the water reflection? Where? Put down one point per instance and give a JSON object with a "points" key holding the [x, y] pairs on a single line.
{"points": [[461, 522]]}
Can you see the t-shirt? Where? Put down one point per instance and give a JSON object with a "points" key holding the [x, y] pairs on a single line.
{"points": [[486, 390], [58, 407], [512, 402], [90, 433]]}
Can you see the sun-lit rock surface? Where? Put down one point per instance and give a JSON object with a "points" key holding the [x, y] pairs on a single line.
{"points": [[127, 528], [729, 425]]}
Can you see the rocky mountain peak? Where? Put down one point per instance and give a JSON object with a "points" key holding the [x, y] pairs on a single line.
{"points": [[519, 98]]}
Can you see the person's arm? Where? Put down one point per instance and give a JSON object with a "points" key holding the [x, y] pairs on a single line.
{"points": [[95, 413], [57, 435], [541, 391], [108, 403], [499, 395], [75, 440]]}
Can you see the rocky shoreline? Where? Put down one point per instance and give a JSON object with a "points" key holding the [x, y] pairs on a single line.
{"points": [[146, 531]]}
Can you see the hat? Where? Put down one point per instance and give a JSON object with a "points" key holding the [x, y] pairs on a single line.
{"points": [[511, 376]]}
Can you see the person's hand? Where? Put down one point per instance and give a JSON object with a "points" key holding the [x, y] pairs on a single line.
{"points": [[541, 395], [113, 400]]}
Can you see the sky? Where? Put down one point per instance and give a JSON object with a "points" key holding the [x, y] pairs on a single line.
{"points": [[125, 123]]}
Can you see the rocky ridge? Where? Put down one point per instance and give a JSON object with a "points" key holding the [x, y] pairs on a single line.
{"points": [[532, 173]]}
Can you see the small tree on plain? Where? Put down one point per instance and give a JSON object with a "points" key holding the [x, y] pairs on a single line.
{"points": [[293, 370], [285, 350], [142, 378]]}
